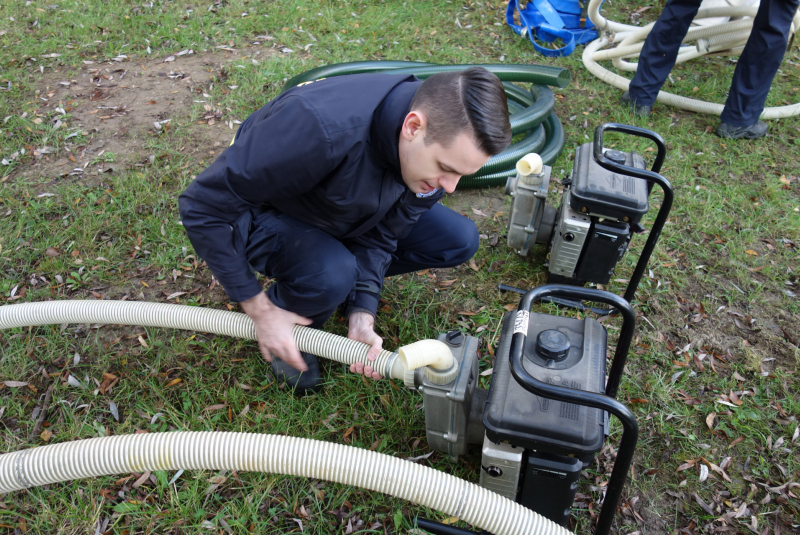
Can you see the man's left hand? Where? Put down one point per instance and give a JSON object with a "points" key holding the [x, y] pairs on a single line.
{"points": [[362, 329]]}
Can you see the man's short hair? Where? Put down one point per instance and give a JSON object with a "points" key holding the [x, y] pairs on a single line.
{"points": [[472, 100]]}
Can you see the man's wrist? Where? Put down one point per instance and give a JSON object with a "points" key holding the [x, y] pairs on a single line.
{"points": [[256, 305], [353, 309]]}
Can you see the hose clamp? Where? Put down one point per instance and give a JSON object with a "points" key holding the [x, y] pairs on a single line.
{"points": [[390, 364], [19, 470]]}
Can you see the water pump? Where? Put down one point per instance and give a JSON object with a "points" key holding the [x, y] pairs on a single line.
{"points": [[602, 206], [545, 414]]}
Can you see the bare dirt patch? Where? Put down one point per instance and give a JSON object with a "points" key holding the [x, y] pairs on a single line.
{"points": [[119, 107]]}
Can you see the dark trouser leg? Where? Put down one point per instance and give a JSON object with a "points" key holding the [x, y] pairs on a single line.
{"points": [[313, 271], [661, 49], [440, 238], [759, 62]]}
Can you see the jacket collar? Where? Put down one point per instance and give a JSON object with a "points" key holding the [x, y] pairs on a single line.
{"points": [[387, 122]]}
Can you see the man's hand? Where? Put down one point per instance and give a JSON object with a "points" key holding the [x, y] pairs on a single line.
{"points": [[361, 328], [274, 330]]}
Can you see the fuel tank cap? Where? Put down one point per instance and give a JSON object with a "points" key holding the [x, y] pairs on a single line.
{"points": [[616, 156], [552, 345]]}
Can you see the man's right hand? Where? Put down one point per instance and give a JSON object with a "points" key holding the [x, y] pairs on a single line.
{"points": [[274, 330]]}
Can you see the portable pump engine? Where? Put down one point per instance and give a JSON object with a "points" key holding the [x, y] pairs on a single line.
{"points": [[545, 414], [602, 206]]}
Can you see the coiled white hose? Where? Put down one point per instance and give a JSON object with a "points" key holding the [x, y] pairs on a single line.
{"points": [[709, 39], [236, 324], [277, 455]]}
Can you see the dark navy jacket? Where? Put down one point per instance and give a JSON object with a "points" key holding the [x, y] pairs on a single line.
{"points": [[324, 153]]}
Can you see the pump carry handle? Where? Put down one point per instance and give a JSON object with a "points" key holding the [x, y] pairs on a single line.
{"points": [[651, 176], [582, 397], [634, 131]]}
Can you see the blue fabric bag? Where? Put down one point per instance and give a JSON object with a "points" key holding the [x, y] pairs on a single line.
{"points": [[548, 20]]}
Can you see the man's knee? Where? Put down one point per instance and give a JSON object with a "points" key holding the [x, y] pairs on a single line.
{"points": [[338, 278], [464, 241], [327, 272]]}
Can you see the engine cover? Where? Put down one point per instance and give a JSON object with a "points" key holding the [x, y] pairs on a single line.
{"points": [[599, 192], [575, 358]]}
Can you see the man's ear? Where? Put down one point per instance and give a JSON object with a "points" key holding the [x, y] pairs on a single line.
{"points": [[414, 125]]}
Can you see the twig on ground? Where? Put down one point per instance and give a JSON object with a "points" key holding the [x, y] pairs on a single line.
{"points": [[43, 413]]}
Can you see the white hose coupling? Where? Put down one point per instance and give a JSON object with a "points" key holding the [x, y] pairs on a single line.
{"points": [[441, 366]]}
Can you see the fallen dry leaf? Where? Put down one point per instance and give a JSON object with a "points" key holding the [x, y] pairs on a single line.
{"points": [[14, 384], [114, 410], [702, 504], [46, 434], [217, 480], [174, 382], [142, 479], [703, 473], [478, 212], [710, 420]]}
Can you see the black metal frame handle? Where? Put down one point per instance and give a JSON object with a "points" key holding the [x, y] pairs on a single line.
{"points": [[437, 528], [651, 176], [605, 402]]}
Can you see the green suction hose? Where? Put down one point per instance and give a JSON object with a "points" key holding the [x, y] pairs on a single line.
{"points": [[531, 111]]}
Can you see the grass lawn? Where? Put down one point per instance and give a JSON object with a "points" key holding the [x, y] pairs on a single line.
{"points": [[109, 109]]}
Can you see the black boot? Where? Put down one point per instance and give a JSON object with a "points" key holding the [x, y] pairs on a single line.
{"points": [[301, 383], [639, 110], [754, 131]]}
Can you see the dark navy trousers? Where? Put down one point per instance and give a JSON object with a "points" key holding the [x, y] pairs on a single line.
{"points": [[754, 71], [314, 272]]}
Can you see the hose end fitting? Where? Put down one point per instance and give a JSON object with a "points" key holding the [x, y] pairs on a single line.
{"points": [[441, 377], [431, 353]]}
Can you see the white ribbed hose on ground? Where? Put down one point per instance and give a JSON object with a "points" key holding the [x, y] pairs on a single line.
{"points": [[248, 451], [714, 38], [236, 324], [276, 455]]}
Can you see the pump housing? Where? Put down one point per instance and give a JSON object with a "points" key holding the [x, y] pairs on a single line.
{"points": [[599, 211]]}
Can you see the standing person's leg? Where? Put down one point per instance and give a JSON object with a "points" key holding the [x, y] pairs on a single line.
{"points": [[660, 51], [440, 238], [756, 69], [313, 274]]}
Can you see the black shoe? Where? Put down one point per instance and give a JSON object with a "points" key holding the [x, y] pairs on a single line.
{"points": [[754, 131], [636, 109], [301, 383]]}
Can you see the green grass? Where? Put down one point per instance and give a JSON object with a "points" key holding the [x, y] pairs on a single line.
{"points": [[728, 254]]}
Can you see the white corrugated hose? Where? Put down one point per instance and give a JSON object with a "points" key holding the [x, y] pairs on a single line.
{"points": [[236, 324], [249, 451], [717, 37], [276, 455]]}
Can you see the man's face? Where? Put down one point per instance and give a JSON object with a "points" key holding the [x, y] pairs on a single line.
{"points": [[426, 168]]}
